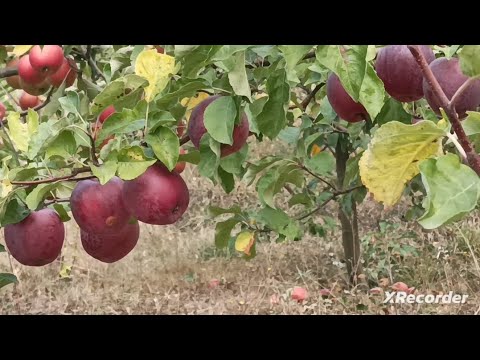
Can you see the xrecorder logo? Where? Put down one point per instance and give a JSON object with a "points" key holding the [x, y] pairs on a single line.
{"points": [[403, 297]]}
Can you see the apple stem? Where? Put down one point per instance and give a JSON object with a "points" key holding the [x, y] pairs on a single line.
{"points": [[448, 105]]}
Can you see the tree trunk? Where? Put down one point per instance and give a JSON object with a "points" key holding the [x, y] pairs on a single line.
{"points": [[349, 222]]}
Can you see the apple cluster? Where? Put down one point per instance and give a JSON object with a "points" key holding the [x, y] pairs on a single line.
{"points": [[38, 70], [403, 80], [108, 215]]}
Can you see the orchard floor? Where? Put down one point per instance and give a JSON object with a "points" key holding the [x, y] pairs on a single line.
{"points": [[170, 270]]}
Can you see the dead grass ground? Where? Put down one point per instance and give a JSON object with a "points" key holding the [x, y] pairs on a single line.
{"points": [[170, 269]]}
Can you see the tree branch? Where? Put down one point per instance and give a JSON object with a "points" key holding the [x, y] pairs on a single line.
{"points": [[303, 167], [56, 201], [472, 157], [184, 140], [7, 72], [70, 177], [334, 195], [86, 54], [310, 96]]}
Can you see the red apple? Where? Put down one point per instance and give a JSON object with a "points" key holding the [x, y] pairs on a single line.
{"points": [[37, 240], [299, 294], [105, 114], [27, 73], [157, 197], [196, 128], [160, 49], [46, 60], [110, 248], [99, 209], [341, 102], [13, 81], [67, 72], [28, 101], [3, 110]]}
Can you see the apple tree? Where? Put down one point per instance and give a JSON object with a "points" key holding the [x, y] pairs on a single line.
{"points": [[101, 134]]}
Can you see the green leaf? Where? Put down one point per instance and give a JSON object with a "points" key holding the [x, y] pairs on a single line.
{"points": [[62, 212], [2, 248], [300, 198], [46, 134], [209, 156], [226, 180], [168, 100], [192, 157], [198, 58], [64, 146], [219, 119], [160, 118], [293, 54], [223, 231], [132, 163], [105, 172], [6, 279], [273, 116], [233, 162], [254, 169], [279, 221], [165, 145], [37, 195], [14, 212], [393, 111], [290, 134], [32, 121], [237, 75], [470, 60], [321, 164], [215, 211], [471, 125], [70, 103], [125, 122], [123, 92], [356, 75], [453, 190]]}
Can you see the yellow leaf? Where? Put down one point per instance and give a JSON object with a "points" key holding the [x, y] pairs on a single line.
{"points": [[244, 242], [7, 187], [18, 131], [19, 50], [157, 69], [65, 271], [315, 150], [191, 103], [393, 156]]}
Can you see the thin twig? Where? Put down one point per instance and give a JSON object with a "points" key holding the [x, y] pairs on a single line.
{"points": [[184, 140], [310, 96], [70, 177], [8, 71], [87, 56], [303, 167], [56, 201]]}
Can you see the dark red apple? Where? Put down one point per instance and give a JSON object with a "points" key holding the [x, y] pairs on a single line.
{"points": [[46, 60], [13, 81], [342, 103], [196, 128], [67, 72], [105, 114], [99, 209], [180, 165], [37, 89], [37, 240], [3, 111], [27, 73], [450, 77], [400, 73], [28, 101], [157, 197], [110, 248]]}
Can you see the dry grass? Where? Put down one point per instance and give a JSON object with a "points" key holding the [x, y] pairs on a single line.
{"points": [[170, 269]]}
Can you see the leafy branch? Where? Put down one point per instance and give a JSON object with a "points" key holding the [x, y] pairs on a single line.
{"points": [[449, 106], [71, 177]]}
